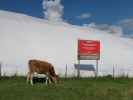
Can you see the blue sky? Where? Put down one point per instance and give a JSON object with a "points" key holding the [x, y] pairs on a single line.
{"points": [[111, 12]]}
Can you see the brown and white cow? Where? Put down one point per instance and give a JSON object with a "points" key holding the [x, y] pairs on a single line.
{"points": [[41, 67]]}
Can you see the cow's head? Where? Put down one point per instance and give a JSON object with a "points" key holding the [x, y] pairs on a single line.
{"points": [[54, 78]]}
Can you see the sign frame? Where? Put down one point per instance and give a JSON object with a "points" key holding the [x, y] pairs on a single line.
{"points": [[88, 50]]}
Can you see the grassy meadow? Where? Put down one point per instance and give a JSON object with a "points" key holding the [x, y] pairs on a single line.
{"points": [[16, 88]]}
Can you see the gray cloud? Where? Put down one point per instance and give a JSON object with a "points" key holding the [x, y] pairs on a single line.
{"points": [[128, 23], [127, 26]]}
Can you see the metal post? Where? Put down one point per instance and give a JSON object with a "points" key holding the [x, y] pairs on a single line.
{"points": [[0, 69], [66, 72], [96, 68], [113, 71], [78, 70]]}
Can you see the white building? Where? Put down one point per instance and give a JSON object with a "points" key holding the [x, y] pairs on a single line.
{"points": [[23, 37]]}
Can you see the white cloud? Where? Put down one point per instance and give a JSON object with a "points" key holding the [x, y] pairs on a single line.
{"points": [[53, 10], [113, 29], [84, 16]]}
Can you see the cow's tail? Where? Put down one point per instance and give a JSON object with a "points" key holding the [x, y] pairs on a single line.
{"points": [[29, 74], [30, 65]]}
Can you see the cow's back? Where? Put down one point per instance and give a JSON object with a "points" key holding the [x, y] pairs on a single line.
{"points": [[41, 67]]}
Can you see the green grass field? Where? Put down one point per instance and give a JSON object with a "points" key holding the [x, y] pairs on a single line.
{"points": [[68, 89]]}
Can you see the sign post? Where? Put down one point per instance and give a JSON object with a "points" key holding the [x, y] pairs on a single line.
{"points": [[88, 50], [96, 68], [78, 70]]}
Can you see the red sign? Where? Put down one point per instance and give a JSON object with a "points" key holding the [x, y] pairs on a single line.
{"points": [[89, 49]]}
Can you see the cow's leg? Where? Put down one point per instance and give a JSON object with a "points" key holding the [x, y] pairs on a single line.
{"points": [[47, 78], [50, 79], [31, 78], [28, 77]]}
